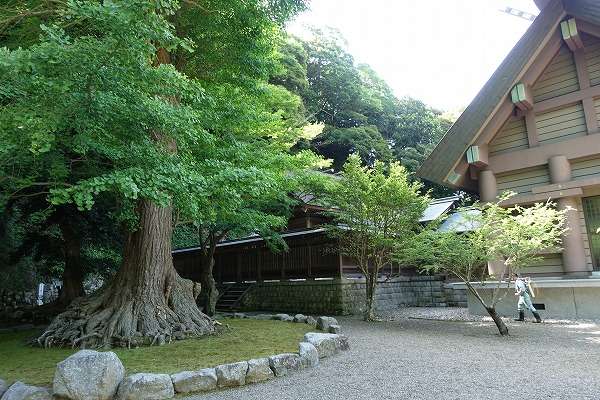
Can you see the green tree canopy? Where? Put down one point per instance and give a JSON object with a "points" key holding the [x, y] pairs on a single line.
{"points": [[514, 237], [360, 111], [138, 101], [377, 213]]}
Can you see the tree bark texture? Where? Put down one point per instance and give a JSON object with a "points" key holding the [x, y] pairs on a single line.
{"points": [[73, 273], [146, 303], [209, 294], [502, 328], [371, 286], [491, 310]]}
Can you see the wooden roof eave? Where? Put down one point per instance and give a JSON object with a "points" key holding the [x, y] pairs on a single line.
{"points": [[449, 153]]}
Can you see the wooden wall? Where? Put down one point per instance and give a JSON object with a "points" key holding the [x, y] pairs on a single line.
{"points": [[585, 168], [562, 124], [568, 122], [550, 264], [584, 235], [592, 57], [524, 180], [512, 136], [560, 77], [307, 256]]}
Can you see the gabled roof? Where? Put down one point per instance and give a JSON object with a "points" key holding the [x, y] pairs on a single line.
{"points": [[438, 207], [455, 142]]}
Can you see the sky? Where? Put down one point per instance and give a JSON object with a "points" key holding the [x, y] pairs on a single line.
{"points": [[439, 51]]}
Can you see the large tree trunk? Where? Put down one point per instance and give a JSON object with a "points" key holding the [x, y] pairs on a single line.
{"points": [[147, 302], [209, 293], [72, 278]]}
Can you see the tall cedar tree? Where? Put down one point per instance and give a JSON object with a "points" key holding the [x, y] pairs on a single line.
{"points": [[106, 83]]}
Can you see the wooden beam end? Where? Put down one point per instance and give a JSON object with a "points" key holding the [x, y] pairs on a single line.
{"points": [[570, 34], [521, 97], [477, 155]]}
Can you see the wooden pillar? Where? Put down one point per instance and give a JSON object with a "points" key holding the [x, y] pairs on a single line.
{"points": [[238, 268], [281, 262], [559, 168], [531, 127], [573, 254], [488, 190], [259, 266], [309, 262], [583, 77]]}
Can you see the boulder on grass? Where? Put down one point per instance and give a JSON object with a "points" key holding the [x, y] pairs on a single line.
{"points": [[282, 317], [21, 391], [88, 375], [282, 364], [259, 370], [263, 316], [239, 315], [327, 344], [335, 329], [203, 380], [301, 318], [145, 386], [323, 323], [311, 321], [231, 375], [3, 387], [309, 356]]}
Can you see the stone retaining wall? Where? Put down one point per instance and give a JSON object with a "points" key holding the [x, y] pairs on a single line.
{"points": [[455, 297], [309, 297], [347, 296]]}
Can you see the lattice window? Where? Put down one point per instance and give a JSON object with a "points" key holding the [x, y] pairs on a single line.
{"points": [[591, 209]]}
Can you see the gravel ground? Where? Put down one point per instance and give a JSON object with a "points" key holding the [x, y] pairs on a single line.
{"points": [[460, 314], [431, 359]]}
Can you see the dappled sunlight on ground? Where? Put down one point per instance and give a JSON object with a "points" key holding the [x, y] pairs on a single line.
{"points": [[412, 355]]}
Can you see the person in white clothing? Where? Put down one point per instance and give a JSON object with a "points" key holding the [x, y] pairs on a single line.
{"points": [[523, 290]]}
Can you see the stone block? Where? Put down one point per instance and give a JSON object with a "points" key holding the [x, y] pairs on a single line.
{"points": [[282, 364], [145, 386], [259, 370], [231, 375], [88, 375], [327, 344], [323, 323], [309, 356], [21, 391], [203, 380]]}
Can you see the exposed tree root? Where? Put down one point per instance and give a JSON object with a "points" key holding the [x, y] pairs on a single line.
{"points": [[114, 318]]}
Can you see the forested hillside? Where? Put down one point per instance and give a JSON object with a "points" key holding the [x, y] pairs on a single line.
{"points": [[359, 110]]}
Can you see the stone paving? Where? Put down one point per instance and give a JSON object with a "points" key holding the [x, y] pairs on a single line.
{"points": [[408, 358]]}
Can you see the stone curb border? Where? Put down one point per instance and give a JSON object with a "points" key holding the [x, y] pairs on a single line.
{"points": [[93, 375]]}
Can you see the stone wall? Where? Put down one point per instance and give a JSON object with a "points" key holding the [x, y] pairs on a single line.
{"points": [[309, 297], [14, 299], [455, 297], [347, 296]]}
